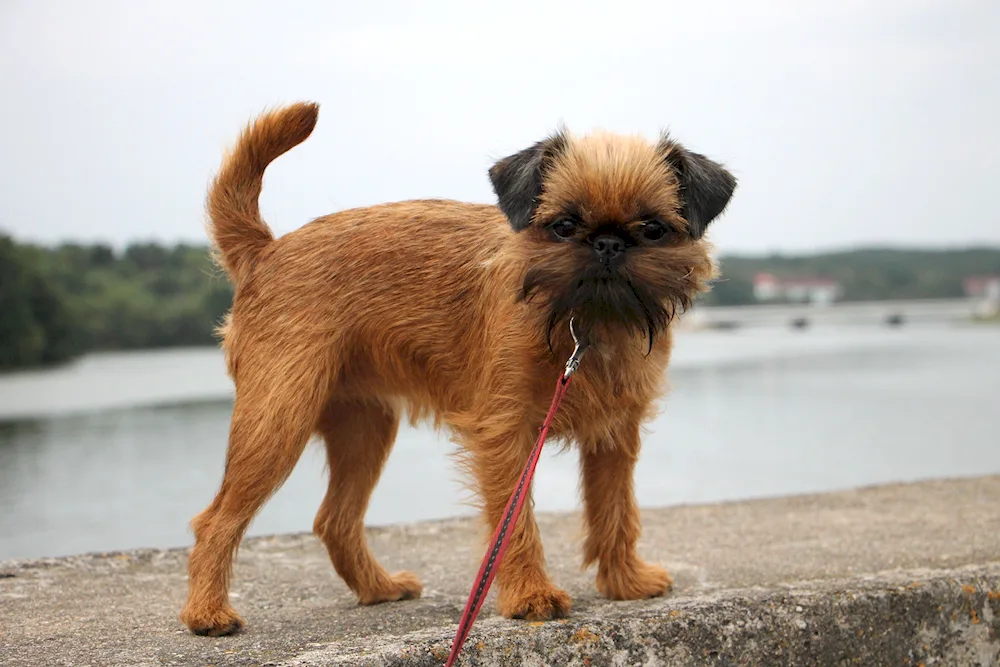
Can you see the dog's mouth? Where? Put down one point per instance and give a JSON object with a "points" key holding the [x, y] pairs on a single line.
{"points": [[605, 298]]}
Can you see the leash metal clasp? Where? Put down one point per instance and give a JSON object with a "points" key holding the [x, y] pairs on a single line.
{"points": [[574, 360]]}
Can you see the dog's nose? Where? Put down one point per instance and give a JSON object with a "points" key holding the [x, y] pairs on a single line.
{"points": [[608, 247]]}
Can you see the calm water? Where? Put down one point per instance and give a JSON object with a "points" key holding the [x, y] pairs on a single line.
{"points": [[120, 451]]}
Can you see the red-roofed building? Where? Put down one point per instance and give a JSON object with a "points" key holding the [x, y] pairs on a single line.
{"points": [[983, 287], [821, 291]]}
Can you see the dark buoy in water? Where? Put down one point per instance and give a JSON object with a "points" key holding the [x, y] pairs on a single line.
{"points": [[894, 320]]}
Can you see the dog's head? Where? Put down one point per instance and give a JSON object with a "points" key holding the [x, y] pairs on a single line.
{"points": [[612, 227]]}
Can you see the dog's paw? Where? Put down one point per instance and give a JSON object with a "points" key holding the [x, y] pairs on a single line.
{"points": [[537, 604], [637, 582], [402, 586], [212, 623]]}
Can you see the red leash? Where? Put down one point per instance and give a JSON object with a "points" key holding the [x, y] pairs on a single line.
{"points": [[501, 536]]}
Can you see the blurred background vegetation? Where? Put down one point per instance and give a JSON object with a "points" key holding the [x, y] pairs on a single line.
{"points": [[869, 274], [59, 302], [63, 301]]}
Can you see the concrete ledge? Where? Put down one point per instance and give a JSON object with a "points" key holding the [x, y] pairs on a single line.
{"points": [[893, 575], [906, 618]]}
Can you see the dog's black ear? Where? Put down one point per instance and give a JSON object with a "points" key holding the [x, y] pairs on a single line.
{"points": [[518, 179], [705, 185]]}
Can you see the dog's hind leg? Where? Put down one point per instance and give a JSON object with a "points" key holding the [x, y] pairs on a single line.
{"points": [[359, 437], [278, 401]]}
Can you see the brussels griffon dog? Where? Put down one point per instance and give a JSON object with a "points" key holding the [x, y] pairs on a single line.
{"points": [[455, 312]]}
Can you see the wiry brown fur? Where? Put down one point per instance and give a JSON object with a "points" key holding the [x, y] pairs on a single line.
{"points": [[341, 325]]}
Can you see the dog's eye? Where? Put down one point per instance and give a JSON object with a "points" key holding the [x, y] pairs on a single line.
{"points": [[563, 228], [654, 230]]}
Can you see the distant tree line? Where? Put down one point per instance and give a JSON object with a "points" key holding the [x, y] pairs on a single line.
{"points": [[869, 274], [57, 303], [60, 302]]}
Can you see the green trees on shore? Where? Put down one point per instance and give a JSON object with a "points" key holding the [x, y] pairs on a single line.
{"points": [[36, 327], [59, 302], [868, 274], [56, 303]]}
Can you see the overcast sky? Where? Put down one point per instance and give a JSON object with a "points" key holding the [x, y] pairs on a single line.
{"points": [[848, 123]]}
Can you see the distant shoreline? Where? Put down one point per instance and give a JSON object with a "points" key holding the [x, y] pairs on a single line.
{"points": [[61, 302]]}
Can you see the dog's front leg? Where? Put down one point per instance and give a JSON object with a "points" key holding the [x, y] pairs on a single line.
{"points": [[613, 524], [525, 590]]}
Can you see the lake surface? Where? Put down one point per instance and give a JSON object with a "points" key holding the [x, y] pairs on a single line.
{"points": [[120, 451]]}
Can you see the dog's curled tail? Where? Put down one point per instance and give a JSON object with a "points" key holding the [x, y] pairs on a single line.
{"points": [[235, 227]]}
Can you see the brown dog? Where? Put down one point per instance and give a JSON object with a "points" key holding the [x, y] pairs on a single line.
{"points": [[457, 312]]}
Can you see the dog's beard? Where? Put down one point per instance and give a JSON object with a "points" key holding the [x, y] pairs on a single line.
{"points": [[598, 297]]}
